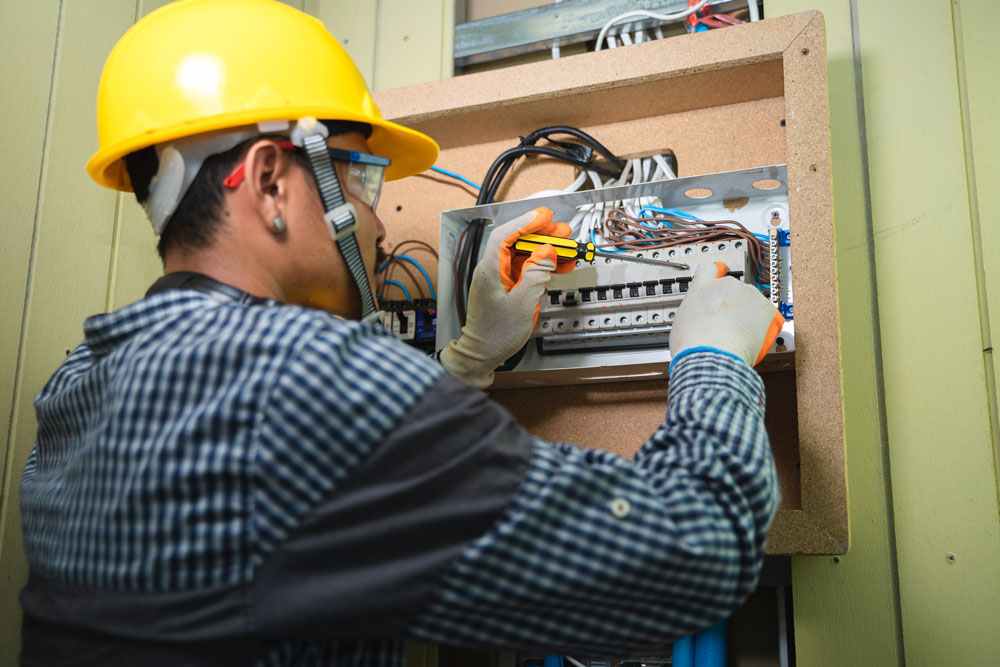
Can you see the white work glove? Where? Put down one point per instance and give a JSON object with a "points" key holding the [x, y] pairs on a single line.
{"points": [[504, 298], [724, 314]]}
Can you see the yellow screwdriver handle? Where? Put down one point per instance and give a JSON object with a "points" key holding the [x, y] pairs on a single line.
{"points": [[565, 248]]}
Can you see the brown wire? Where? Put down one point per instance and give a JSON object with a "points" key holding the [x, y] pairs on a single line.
{"points": [[625, 232], [393, 261]]}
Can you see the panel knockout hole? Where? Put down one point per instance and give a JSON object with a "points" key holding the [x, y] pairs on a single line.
{"points": [[766, 184], [698, 193]]}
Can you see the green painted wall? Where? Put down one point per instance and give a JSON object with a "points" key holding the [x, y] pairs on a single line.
{"points": [[921, 581], [916, 163]]}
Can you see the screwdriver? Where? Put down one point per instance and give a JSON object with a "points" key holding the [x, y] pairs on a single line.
{"points": [[568, 249]]}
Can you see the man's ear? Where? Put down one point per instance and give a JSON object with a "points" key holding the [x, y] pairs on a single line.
{"points": [[267, 167]]}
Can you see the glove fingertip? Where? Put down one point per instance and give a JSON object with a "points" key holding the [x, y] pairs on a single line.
{"points": [[773, 329], [543, 215]]}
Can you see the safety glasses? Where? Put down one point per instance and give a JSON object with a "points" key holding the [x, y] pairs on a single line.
{"points": [[365, 173]]}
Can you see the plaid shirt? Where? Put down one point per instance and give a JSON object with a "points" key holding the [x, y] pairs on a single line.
{"points": [[184, 443]]}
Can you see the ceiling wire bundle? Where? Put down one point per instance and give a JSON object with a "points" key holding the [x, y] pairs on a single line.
{"points": [[629, 35], [655, 228], [582, 151]]}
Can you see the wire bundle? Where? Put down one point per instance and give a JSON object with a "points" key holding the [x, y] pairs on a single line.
{"points": [[398, 260], [589, 217], [658, 228], [583, 152]]}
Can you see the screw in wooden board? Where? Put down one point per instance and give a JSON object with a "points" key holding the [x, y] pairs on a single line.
{"points": [[782, 123], [398, 209], [950, 559], [69, 352], [805, 52], [836, 560], [813, 167]]}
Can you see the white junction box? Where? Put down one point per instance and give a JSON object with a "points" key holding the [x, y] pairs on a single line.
{"points": [[610, 320]]}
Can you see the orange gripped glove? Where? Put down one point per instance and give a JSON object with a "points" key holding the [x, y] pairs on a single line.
{"points": [[504, 298], [724, 315], [512, 263]]}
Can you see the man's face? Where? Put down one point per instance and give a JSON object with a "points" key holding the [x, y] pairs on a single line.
{"points": [[322, 278]]}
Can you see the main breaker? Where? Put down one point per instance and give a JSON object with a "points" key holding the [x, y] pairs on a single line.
{"points": [[610, 319]]}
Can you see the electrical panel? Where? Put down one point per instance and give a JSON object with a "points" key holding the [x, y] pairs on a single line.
{"points": [[610, 319]]}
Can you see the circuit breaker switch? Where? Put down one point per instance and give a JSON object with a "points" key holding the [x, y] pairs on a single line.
{"points": [[668, 285], [650, 287], [683, 283], [554, 296], [633, 289], [618, 290]]}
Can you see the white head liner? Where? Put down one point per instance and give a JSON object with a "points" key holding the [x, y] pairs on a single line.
{"points": [[180, 161]]}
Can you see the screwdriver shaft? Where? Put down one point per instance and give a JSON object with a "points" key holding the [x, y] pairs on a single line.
{"points": [[641, 260]]}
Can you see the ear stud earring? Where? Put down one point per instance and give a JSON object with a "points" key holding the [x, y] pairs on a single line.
{"points": [[279, 224]]}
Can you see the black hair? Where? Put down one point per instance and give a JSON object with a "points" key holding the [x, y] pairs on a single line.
{"points": [[195, 222]]}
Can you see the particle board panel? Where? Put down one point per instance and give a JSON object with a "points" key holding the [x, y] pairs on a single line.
{"points": [[727, 99]]}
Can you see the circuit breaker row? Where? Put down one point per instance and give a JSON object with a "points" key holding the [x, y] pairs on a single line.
{"points": [[635, 313]]}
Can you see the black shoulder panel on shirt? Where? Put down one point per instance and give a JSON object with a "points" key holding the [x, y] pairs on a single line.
{"points": [[359, 566], [363, 562]]}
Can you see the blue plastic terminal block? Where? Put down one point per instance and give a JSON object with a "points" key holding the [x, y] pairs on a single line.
{"points": [[787, 311], [784, 237]]}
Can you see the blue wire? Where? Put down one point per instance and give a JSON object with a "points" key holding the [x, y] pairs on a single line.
{"points": [[400, 286], [672, 211], [604, 249], [454, 175], [419, 268]]}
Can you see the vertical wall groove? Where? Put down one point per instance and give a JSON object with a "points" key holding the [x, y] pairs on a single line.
{"points": [[8, 473], [977, 237], [877, 329]]}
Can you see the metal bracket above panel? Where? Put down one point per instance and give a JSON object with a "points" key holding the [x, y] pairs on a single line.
{"points": [[571, 22]]}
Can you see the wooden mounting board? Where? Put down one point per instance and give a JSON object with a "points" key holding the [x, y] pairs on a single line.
{"points": [[735, 98]]}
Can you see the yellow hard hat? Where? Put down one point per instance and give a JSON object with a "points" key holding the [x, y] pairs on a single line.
{"points": [[199, 66]]}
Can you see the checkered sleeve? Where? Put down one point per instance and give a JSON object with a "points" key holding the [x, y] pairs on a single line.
{"points": [[601, 554]]}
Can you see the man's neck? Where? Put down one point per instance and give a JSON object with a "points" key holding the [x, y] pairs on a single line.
{"points": [[224, 269]]}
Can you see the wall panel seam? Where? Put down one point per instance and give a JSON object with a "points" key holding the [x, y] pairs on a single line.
{"points": [[876, 330], [376, 82], [982, 293], [6, 477]]}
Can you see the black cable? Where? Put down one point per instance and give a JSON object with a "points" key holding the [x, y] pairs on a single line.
{"points": [[575, 154], [545, 132]]}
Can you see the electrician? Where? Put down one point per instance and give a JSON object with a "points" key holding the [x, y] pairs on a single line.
{"points": [[236, 470]]}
